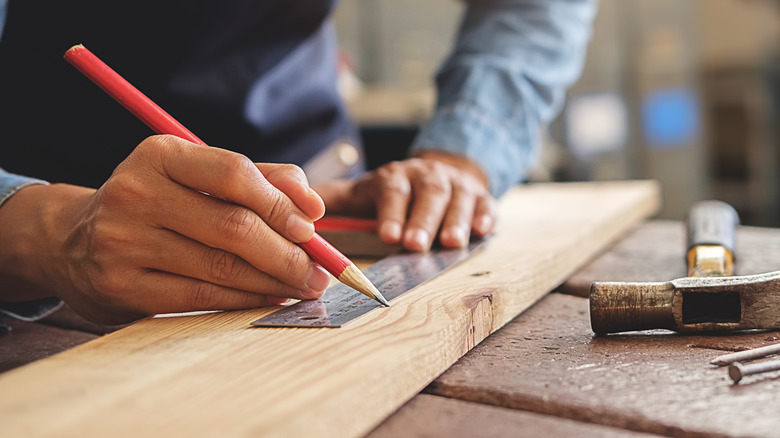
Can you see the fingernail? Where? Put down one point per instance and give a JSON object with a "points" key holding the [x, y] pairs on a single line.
{"points": [[390, 231], [417, 239], [317, 279], [299, 229], [484, 224], [456, 233], [277, 301]]}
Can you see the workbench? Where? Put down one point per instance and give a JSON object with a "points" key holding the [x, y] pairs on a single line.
{"points": [[546, 374]]}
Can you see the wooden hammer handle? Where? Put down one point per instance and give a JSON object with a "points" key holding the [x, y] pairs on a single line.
{"points": [[712, 229]]}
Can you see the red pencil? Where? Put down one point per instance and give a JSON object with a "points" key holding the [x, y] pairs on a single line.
{"points": [[162, 123]]}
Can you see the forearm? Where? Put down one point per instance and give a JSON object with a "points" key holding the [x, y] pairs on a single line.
{"points": [[508, 72]]}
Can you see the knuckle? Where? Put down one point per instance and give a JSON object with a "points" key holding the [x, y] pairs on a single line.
{"points": [[224, 266], [392, 167], [292, 171], [438, 167], [275, 205], [236, 168], [237, 164], [400, 186], [435, 185], [202, 295], [239, 224], [462, 188], [297, 263], [123, 188], [157, 144]]}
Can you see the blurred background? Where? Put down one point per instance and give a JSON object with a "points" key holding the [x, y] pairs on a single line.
{"points": [[686, 92]]}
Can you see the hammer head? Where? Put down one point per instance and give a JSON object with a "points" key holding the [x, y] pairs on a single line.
{"points": [[691, 304]]}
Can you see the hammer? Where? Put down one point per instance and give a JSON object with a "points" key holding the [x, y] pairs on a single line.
{"points": [[709, 299]]}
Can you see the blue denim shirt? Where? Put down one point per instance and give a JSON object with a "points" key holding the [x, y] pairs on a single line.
{"points": [[506, 75], [508, 72]]}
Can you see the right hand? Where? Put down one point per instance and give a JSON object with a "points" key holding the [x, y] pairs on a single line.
{"points": [[151, 241]]}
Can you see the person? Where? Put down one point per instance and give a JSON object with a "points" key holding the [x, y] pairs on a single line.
{"points": [[177, 227]]}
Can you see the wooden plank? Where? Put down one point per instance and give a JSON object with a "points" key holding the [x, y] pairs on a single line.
{"points": [[548, 361], [214, 375], [432, 416]]}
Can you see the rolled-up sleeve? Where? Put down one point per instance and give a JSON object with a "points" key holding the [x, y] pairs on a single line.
{"points": [[507, 74], [11, 183], [3, 6]]}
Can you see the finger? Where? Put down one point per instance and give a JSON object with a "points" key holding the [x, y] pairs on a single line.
{"points": [[291, 180], [240, 231], [229, 176], [184, 294], [432, 194], [167, 251], [393, 193], [484, 220], [456, 227]]}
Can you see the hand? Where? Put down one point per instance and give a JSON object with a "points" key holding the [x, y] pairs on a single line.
{"points": [[151, 241], [413, 199]]}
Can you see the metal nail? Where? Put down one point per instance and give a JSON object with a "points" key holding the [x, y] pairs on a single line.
{"points": [[742, 356], [737, 371]]}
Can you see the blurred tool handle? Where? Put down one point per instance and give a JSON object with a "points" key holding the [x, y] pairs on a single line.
{"points": [[712, 227]]}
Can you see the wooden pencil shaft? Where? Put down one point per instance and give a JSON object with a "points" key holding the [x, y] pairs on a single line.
{"points": [[336, 223], [127, 95], [163, 123], [326, 255]]}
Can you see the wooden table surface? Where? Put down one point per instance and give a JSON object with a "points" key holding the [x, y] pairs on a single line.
{"points": [[546, 374]]}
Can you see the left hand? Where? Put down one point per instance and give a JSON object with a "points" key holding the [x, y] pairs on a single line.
{"points": [[415, 198]]}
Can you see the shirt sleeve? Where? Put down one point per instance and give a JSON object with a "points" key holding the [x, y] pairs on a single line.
{"points": [[507, 74], [3, 7], [11, 183]]}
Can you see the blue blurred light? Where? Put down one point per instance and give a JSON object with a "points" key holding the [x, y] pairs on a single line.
{"points": [[670, 117]]}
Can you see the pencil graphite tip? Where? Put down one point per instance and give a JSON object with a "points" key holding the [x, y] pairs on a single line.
{"points": [[374, 291], [381, 299], [355, 279]]}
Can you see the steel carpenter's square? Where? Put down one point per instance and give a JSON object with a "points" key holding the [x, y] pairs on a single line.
{"points": [[394, 275]]}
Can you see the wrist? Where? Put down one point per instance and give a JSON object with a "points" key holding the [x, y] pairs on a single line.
{"points": [[33, 232]]}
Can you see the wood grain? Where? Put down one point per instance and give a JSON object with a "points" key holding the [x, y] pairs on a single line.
{"points": [[549, 361], [213, 375]]}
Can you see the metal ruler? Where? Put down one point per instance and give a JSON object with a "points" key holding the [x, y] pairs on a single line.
{"points": [[393, 276]]}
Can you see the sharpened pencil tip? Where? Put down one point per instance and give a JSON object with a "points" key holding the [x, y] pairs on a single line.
{"points": [[352, 277], [381, 299]]}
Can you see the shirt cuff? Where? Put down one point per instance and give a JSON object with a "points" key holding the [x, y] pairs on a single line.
{"points": [[465, 130], [31, 310], [11, 183]]}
